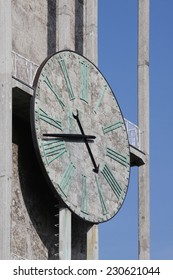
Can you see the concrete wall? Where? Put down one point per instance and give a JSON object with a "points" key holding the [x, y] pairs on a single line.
{"points": [[42, 27], [5, 127], [29, 28], [38, 27]]}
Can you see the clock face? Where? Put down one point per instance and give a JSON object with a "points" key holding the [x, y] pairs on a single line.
{"points": [[80, 136]]}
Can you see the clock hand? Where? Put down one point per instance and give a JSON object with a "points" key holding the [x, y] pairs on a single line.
{"points": [[96, 167], [70, 136]]}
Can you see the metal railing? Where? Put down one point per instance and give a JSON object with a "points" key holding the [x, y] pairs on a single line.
{"points": [[24, 69], [133, 134]]}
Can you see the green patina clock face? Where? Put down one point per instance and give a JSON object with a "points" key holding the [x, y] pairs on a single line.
{"points": [[87, 160]]}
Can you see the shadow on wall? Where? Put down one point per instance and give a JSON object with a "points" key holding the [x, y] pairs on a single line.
{"points": [[51, 27], [52, 32], [37, 198]]}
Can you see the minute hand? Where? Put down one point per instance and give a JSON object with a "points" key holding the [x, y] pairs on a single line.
{"points": [[96, 167]]}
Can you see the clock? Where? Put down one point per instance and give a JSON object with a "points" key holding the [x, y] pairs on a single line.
{"points": [[80, 136]]}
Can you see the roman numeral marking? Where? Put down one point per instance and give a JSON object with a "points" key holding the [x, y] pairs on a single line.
{"points": [[70, 120], [100, 99], [67, 78], [111, 181], [50, 86], [114, 126], [84, 81], [46, 118], [66, 178], [101, 197], [84, 206], [53, 149], [117, 156]]}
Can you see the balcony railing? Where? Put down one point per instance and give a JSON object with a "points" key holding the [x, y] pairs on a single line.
{"points": [[25, 70], [133, 134]]}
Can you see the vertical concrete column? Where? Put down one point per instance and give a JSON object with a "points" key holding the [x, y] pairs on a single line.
{"points": [[91, 30], [64, 234], [65, 24], [143, 123], [65, 40], [5, 127], [92, 243], [90, 50]]}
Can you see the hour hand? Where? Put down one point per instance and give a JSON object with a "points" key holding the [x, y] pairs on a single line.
{"points": [[70, 136]]}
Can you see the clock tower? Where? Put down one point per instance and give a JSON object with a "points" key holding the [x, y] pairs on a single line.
{"points": [[49, 216]]}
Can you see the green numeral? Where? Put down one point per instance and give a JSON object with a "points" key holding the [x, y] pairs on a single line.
{"points": [[102, 200], [67, 78], [117, 156], [109, 128], [100, 99], [53, 149], [84, 81], [67, 178], [50, 86], [111, 181], [46, 118], [84, 207], [70, 121]]}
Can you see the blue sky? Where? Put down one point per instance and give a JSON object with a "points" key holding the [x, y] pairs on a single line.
{"points": [[118, 63]]}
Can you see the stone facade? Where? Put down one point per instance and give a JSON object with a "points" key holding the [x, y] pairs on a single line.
{"points": [[29, 28]]}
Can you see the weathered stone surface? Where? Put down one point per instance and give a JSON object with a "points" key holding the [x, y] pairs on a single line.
{"points": [[5, 127], [79, 239], [29, 29], [144, 126]]}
